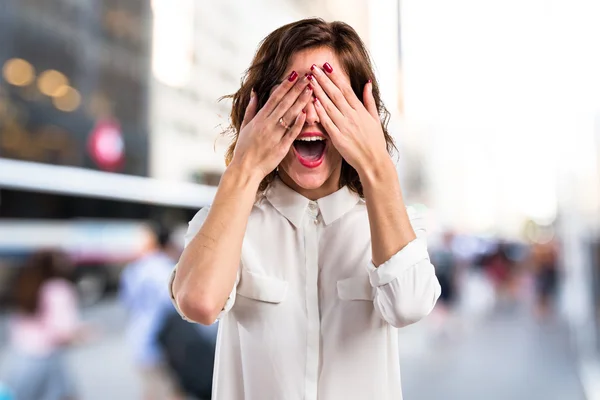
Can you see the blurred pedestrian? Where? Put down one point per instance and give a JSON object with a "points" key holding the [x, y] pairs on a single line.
{"points": [[144, 294], [308, 255], [544, 259], [501, 269], [445, 261], [45, 324], [189, 350], [446, 265]]}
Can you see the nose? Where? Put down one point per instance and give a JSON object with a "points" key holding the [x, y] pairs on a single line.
{"points": [[312, 118]]}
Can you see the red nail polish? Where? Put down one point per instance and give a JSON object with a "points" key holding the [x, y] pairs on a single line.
{"points": [[293, 76], [327, 67], [303, 111], [312, 68], [315, 100], [370, 81], [310, 77], [310, 87]]}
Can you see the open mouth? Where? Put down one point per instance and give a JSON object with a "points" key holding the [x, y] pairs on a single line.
{"points": [[310, 150]]}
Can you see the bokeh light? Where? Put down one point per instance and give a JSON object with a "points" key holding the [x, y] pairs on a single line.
{"points": [[53, 83], [69, 99], [18, 72]]}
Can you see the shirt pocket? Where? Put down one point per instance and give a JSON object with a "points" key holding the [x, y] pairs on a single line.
{"points": [[355, 287], [262, 287]]}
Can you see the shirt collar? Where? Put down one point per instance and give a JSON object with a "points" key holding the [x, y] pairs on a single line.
{"points": [[293, 206]]}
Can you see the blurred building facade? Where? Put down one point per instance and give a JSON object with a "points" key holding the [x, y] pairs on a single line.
{"points": [[133, 86], [74, 95], [74, 88]]}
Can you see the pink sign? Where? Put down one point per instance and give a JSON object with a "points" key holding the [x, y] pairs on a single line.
{"points": [[106, 145]]}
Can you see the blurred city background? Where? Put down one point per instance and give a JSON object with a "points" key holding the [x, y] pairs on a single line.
{"points": [[110, 142]]}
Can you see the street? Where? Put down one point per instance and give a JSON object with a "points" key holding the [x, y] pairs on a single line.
{"points": [[506, 356]]}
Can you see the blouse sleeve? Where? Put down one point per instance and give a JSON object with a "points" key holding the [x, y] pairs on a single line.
{"points": [[406, 287]]}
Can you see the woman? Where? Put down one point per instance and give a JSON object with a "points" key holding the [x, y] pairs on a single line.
{"points": [[311, 278], [45, 323]]}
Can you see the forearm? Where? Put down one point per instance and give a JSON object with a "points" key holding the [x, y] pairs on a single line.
{"points": [[207, 269], [389, 222]]}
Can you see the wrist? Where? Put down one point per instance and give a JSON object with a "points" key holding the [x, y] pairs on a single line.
{"points": [[377, 171], [243, 176]]}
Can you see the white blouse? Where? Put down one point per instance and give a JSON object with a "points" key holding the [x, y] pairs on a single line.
{"points": [[310, 317]]}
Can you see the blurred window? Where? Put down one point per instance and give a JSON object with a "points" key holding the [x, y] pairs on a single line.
{"points": [[173, 41]]}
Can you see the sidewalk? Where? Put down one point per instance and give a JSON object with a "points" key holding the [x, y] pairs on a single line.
{"points": [[589, 372], [507, 356]]}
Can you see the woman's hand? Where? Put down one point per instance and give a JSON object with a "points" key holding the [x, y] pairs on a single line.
{"points": [[263, 140], [355, 129]]}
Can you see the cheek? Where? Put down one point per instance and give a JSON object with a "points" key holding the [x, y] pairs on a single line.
{"points": [[286, 163], [333, 155]]}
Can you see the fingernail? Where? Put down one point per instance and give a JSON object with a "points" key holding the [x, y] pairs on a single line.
{"points": [[309, 87], [303, 111], [327, 67], [309, 77], [316, 101], [293, 76], [252, 94], [312, 68], [370, 81]]}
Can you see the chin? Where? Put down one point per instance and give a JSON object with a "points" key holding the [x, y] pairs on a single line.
{"points": [[309, 180]]}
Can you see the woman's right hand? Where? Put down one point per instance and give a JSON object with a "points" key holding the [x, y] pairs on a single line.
{"points": [[263, 141]]}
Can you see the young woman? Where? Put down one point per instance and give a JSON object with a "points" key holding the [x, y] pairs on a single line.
{"points": [[310, 278], [45, 324]]}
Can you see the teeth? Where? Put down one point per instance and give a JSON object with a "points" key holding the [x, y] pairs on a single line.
{"points": [[311, 138]]}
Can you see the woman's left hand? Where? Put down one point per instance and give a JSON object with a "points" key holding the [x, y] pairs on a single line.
{"points": [[353, 127]]}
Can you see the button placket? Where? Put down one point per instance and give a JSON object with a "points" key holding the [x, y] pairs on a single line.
{"points": [[311, 237], [313, 211]]}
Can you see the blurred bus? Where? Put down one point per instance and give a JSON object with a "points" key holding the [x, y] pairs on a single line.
{"points": [[97, 218]]}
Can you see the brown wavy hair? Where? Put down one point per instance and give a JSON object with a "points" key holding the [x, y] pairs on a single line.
{"points": [[37, 269], [270, 63]]}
